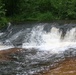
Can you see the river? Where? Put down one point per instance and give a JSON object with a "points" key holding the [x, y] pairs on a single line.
{"points": [[43, 46]]}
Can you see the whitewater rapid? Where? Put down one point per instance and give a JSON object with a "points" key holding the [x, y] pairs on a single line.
{"points": [[50, 41], [38, 38]]}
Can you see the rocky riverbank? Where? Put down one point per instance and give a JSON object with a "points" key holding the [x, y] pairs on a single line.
{"points": [[33, 62]]}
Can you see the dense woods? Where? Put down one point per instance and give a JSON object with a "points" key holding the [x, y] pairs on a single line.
{"points": [[36, 10]]}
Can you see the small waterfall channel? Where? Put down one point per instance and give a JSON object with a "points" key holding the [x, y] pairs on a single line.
{"points": [[45, 43]]}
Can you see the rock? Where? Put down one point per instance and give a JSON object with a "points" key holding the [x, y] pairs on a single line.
{"points": [[67, 67], [70, 52], [18, 61], [6, 54]]}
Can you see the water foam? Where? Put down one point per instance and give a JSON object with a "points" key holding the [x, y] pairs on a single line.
{"points": [[50, 41], [4, 47], [40, 39]]}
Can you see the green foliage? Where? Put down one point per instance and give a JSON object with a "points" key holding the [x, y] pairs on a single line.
{"points": [[42, 10], [37, 10], [44, 17], [65, 9], [3, 20], [11, 6]]}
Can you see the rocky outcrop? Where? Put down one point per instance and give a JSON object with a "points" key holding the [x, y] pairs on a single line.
{"points": [[67, 67], [6, 54]]}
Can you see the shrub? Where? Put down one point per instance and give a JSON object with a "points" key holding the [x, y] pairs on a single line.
{"points": [[3, 21]]}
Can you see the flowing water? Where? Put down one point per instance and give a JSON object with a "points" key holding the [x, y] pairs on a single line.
{"points": [[46, 44]]}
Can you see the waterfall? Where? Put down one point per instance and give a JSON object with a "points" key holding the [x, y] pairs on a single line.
{"points": [[42, 37], [50, 41]]}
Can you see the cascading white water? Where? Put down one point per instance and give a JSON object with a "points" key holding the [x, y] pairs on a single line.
{"points": [[50, 41], [4, 47], [40, 39]]}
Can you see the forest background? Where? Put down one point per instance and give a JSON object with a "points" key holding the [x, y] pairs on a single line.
{"points": [[36, 10]]}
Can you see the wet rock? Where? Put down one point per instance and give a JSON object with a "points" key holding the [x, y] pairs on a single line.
{"points": [[70, 53], [67, 67], [6, 54], [30, 61]]}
